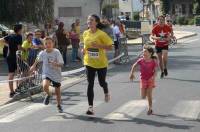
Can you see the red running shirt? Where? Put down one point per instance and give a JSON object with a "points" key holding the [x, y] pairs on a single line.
{"points": [[163, 32]]}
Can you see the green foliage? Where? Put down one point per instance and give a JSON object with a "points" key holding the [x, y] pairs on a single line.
{"points": [[185, 21], [165, 6], [191, 21], [136, 16], [197, 20], [196, 7], [181, 20], [37, 11]]}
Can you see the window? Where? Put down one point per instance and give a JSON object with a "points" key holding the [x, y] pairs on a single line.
{"points": [[183, 9], [173, 9], [69, 11], [190, 9]]}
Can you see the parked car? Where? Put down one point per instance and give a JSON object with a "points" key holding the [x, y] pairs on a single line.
{"points": [[4, 30]]}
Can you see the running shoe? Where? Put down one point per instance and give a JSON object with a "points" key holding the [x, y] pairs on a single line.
{"points": [[46, 99], [107, 98], [90, 111], [162, 75], [150, 112], [12, 94], [60, 110], [165, 72]]}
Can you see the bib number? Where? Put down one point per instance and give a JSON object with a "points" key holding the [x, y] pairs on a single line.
{"points": [[93, 53]]}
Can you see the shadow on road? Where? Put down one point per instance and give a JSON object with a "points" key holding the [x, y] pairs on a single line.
{"points": [[184, 80]]}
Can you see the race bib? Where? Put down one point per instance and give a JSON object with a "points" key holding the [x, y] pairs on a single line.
{"points": [[93, 53]]}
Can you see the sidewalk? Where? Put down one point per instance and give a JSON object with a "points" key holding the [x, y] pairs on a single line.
{"points": [[4, 89], [178, 34]]}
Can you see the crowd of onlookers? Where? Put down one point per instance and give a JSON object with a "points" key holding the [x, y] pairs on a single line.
{"points": [[31, 43]]}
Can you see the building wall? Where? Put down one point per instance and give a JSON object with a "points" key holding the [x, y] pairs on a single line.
{"points": [[75, 9], [181, 8], [126, 6]]}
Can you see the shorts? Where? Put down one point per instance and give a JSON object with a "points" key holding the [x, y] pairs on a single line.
{"points": [[159, 49], [145, 84], [116, 44], [55, 84], [12, 65]]}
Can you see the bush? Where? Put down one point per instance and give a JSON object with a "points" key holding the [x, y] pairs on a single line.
{"points": [[180, 20], [191, 21], [136, 16], [197, 21], [185, 21]]}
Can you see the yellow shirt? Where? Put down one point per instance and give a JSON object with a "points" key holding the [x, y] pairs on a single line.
{"points": [[26, 45], [95, 57]]}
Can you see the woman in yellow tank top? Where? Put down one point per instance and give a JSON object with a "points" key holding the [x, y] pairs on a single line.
{"points": [[96, 42]]}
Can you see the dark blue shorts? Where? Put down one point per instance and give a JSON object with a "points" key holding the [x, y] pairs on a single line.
{"points": [[159, 49], [55, 84]]}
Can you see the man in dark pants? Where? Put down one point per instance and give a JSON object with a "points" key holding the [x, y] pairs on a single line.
{"points": [[13, 42]]}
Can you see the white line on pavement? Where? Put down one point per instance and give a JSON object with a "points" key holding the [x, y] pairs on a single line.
{"points": [[188, 40], [20, 113], [128, 111], [187, 109]]}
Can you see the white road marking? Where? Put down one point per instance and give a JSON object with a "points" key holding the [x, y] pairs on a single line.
{"points": [[128, 111], [20, 113], [187, 109], [188, 40], [72, 112]]}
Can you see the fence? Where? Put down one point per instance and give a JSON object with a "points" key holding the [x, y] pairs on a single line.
{"points": [[123, 49], [27, 83]]}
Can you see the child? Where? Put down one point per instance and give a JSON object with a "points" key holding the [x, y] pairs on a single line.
{"points": [[51, 70], [148, 66], [26, 46]]}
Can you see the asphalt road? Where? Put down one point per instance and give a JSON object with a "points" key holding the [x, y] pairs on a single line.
{"points": [[176, 101]]}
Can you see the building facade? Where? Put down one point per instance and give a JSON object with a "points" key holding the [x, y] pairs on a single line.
{"points": [[181, 8], [68, 11]]}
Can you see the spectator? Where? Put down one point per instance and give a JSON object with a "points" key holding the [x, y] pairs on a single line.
{"points": [[63, 41], [14, 42], [26, 46], [75, 43], [38, 46]]}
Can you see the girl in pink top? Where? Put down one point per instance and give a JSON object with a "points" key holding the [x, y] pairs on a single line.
{"points": [[148, 67]]}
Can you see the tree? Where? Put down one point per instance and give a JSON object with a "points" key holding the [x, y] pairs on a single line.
{"points": [[165, 6], [196, 7], [39, 11]]}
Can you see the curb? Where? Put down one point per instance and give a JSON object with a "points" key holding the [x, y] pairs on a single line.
{"points": [[194, 34]]}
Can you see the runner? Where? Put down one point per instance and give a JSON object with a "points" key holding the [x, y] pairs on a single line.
{"points": [[96, 42], [168, 21], [51, 70], [148, 64], [14, 42], [161, 33], [117, 34]]}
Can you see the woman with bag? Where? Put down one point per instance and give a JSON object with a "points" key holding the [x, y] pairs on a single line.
{"points": [[63, 41]]}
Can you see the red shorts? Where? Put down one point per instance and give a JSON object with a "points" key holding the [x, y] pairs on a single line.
{"points": [[147, 83]]}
